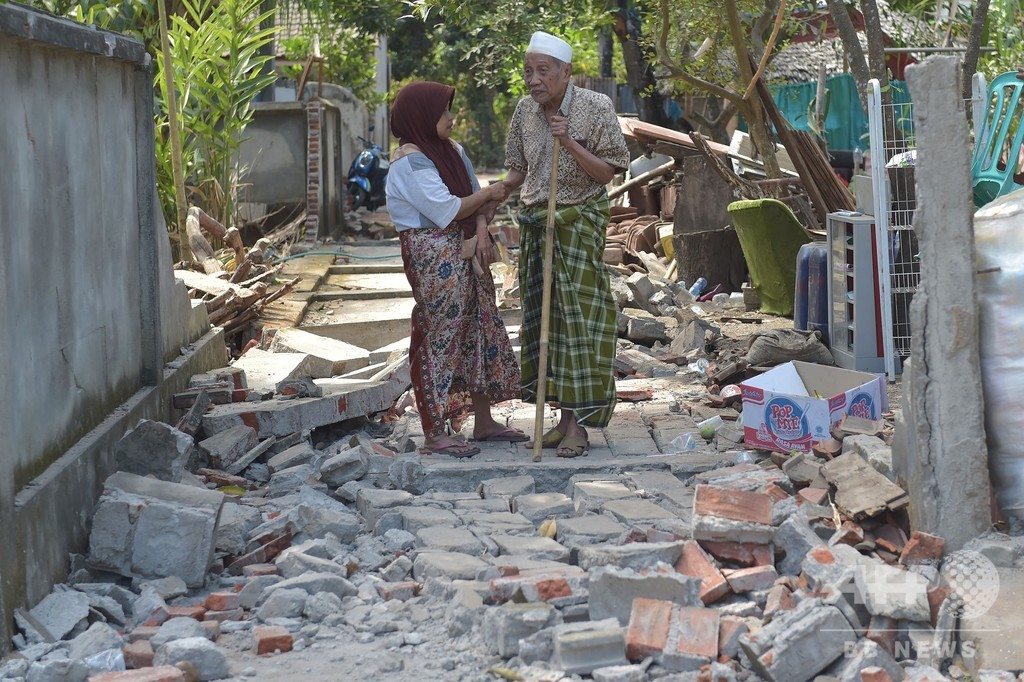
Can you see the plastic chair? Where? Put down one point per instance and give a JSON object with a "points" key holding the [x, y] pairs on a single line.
{"points": [[771, 237], [996, 167]]}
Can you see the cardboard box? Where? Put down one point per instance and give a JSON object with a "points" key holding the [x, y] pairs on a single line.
{"points": [[795, 405]]}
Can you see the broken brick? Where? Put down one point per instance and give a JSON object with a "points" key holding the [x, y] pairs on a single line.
{"points": [[775, 492], [736, 505], [882, 630], [255, 570], [138, 654], [936, 595], [195, 611], [222, 601], [271, 639], [649, 622], [742, 553], [922, 548], [143, 632], [228, 614], [730, 629], [697, 628], [850, 534], [812, 495], [779, 599], [403, 591], [695, 562], [754, 578], [874, 674], [269, 548], [163, 673]]}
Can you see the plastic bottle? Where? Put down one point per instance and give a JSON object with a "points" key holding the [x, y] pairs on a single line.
{"points": [[858, 160], [684, 442], [698, 286], [744, 457]]}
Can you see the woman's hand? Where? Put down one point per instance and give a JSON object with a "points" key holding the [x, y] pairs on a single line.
{"points": [[498, 192], [484, 248]]}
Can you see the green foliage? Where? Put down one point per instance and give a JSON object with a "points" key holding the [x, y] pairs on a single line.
{"points": [[344, 55], [218, 72]]}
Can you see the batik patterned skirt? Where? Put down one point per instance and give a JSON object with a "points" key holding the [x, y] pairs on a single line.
{"points": [[459, 344], [582, 326]]}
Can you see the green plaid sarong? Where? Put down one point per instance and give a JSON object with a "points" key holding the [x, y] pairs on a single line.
{"points": [[582, 328]]}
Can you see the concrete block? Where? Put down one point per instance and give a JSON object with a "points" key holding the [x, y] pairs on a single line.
{"points": [[867, 654], [415, 518], [666, 488], [236, 521], [796, 645], [264, 370], [588, 530], [744, 477], [892, 592], [794, 538], [450, 565], [503, 626], [749, 579], [507, 487], [565, 586], [321, 605], [613, 589], [874, 451], [149, 608], [154, 449], [497, 522], [533, 547], [99, 637], [287, 481], [292, 563], [206, 657], [285, 417], [350, 465], [620, 673], [222, 449], [397, 570], [448, 539], [177, 628], [310, 583], [59, 613], [343, 357], [296, 455], [539, 507], [636, 555], [372, 503], [695, 562], [495, 504], [581, 652], [730, 629], [283, 602], [991, 630], [154, 528], [592, 495], [59, 670], [636, 512], [313, 519]]}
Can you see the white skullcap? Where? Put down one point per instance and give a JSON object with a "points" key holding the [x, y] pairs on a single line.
{"points": [[545, 43]]}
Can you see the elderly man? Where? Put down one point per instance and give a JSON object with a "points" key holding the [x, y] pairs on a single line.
{"points": [[581, 343]]}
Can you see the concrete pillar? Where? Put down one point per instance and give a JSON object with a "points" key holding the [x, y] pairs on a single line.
{"points": [[944, 461]]}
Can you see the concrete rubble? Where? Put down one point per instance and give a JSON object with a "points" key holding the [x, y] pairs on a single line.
{"points": [[282, 522]]}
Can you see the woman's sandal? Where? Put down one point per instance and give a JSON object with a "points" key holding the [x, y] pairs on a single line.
{"points": [[575, 442]]}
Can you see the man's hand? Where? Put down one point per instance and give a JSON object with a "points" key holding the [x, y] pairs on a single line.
{"points": [[559, 128], [498, 192]]}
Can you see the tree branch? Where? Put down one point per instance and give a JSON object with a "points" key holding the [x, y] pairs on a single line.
{"points": [[677, 71], [767, 50], [851, 43]]}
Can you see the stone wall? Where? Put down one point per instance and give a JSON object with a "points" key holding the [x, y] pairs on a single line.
{"points": [[90, 311]]}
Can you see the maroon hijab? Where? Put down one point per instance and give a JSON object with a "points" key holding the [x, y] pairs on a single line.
{"points": [[414, 116]]}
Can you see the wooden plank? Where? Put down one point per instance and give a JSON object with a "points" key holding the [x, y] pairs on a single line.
{"points": [[650, 133], [862, 492], [209, 284]]}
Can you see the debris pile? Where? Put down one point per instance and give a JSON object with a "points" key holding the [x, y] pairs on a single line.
{"points": [[253, 529]]}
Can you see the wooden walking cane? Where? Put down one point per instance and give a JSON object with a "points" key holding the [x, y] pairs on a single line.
{"points": [[545, 312]]}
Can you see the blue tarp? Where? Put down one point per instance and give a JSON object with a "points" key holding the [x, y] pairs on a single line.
{"points": [[846, 125]]}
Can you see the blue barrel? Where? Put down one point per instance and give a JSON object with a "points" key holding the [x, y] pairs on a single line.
{"points": [[800, 298], [817, 289]]}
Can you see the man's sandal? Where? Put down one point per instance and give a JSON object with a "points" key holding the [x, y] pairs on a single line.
{"points": [[576, 443], [550, 439]]}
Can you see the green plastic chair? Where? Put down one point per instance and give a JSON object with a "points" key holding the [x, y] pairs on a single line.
{"points": [[996, 160], [771, 237]]}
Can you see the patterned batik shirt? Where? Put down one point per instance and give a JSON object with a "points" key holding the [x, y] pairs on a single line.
{"points": [[592, 123]]}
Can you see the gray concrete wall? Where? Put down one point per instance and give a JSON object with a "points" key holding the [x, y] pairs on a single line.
{"points": [[89, 311], [273, 157]]}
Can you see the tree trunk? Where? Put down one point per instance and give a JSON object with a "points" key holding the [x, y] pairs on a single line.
{"points": [[639, 74], [851, 45], [876, 67], [973, 50], [605, 52]]}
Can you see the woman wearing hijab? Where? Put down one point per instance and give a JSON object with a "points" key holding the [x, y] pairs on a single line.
{"points": [[459, 353]]}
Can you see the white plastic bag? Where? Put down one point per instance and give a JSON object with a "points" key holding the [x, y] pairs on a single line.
{"points": [[999, 252]]}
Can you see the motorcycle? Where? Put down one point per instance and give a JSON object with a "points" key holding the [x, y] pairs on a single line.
{"points": [[368, 176]]}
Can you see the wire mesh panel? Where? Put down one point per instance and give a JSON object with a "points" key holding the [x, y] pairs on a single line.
{"points": [[893, 158]]}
